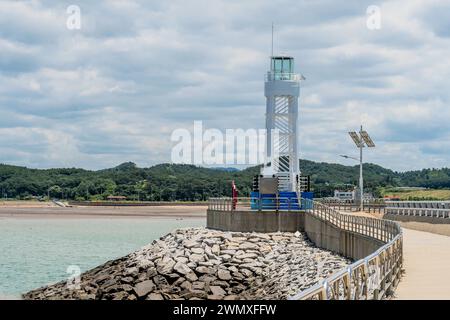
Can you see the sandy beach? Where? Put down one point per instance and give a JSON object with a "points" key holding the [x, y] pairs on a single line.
{"points": [[26, 204], [49, 211]]}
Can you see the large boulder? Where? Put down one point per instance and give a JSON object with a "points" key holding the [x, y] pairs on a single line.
{"points": [[143, 288]]}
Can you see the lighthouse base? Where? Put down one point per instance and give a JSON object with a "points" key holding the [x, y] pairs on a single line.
{"points": [[281, 201]]}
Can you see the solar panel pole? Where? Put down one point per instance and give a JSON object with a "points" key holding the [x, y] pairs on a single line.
{"points": [[360, 140]]}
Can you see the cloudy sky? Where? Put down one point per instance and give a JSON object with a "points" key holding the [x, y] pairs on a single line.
{"points": [[114, 90]]}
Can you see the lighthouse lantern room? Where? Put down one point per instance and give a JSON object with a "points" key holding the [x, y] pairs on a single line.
{"points": [[282, 90]]}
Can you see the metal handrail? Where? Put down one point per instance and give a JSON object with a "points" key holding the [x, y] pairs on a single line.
{"points": [[420, 212], [434, 209], [418, 201], [372, 277], [260, 204]]}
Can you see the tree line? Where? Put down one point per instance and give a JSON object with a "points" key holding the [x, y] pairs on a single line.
{"points": [[170, 182]]}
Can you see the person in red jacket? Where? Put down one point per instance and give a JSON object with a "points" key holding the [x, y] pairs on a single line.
{"points": [[234, 195]]}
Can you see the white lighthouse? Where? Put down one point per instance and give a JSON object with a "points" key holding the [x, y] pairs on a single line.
{"points": [[282, 89]]}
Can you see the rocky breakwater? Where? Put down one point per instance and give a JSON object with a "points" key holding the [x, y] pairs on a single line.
{"points": [[198, 263]]}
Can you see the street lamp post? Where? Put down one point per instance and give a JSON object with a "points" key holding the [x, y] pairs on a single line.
{"points": [[361, 140], [360, 176], [361, 180]]}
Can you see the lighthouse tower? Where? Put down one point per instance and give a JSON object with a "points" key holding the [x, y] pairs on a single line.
{"points": [[282, 89]]}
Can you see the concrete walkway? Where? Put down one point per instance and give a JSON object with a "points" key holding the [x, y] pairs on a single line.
{"points": [[426, 266]]}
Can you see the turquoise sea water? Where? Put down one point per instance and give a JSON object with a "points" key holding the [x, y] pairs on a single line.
{"points": [[35, 252]]}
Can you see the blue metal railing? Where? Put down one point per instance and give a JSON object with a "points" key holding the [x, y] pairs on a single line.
{"points": [[259, 204]]}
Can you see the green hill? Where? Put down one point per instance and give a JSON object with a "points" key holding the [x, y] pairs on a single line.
{"points": [[169, 182]]}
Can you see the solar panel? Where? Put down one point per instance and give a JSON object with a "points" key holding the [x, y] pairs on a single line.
{"points": [[356, 139], [365, 136]]}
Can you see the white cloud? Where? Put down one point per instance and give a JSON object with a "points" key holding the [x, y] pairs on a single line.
{"points": [[114, 90]]}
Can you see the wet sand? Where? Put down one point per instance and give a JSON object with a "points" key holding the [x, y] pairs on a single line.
{"points": [[179, 212]]}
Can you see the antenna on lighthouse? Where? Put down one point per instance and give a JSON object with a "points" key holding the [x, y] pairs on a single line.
{"points": [[272, 41]]}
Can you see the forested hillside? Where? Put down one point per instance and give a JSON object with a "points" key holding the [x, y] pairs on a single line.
{"points": [[168, 182]]}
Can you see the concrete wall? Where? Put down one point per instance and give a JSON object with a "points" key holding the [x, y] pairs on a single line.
{"points": [[321, 233], [256, 221], [327, 236], [402, 218]]}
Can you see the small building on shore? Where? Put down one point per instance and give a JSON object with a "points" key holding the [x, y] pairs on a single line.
{"points": [[345, 195]]}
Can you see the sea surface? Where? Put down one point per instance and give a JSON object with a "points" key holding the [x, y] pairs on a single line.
{"points": [[35, 252]]}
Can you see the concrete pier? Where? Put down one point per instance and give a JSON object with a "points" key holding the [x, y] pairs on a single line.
{"points": [[322, 233], [256, 221], [426, 261]]}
